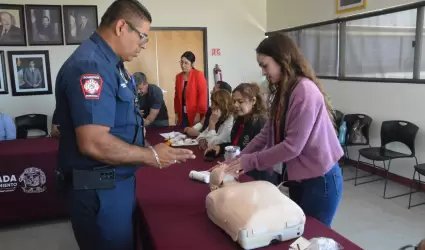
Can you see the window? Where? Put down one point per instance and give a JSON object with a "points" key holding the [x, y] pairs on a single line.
{"points": [[381, 46], [319, 46], [385, 46], [294, 35]]}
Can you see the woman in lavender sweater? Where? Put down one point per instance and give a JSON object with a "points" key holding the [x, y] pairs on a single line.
{"points": [[299, 136]]}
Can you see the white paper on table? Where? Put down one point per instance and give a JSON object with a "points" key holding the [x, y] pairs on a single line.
{"points": [[170, 135]]}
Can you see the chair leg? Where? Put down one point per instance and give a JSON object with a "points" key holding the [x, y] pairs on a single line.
{"points": [[347, 157], [387, 171], [357, 170], [395, 196], [419, 189], [411, 188]]}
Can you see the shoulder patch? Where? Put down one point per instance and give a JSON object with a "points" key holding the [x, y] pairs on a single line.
{"points": [[91, 84]]}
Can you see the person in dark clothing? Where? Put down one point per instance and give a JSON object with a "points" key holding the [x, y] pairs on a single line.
{"points": [[151, 102], [55, 125], [201, 126], [250, 117]]}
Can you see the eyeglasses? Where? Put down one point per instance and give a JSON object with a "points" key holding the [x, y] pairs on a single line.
{"points": [[143, 37], [184, 62]]}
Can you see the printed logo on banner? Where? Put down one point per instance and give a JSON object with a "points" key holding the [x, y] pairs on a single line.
{"points": [[8, 183], [91, 85], [33, 181]]}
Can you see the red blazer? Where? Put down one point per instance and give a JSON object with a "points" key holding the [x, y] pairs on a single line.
{"points": [[196, 95]]}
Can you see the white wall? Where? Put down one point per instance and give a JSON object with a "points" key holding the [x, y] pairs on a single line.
{"points": [[236, 27], [382, 101], [283, 14]]}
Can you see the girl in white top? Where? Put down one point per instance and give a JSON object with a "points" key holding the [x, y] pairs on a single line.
{"points": [[221, 121]]}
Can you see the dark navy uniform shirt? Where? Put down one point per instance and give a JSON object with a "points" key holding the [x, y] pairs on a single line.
{"points": [[154, 99], [92, 87]]}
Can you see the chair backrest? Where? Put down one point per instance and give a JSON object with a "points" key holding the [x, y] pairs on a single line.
{"points": [[30, 121], [351, 119], [399, 131], [338, 116]]}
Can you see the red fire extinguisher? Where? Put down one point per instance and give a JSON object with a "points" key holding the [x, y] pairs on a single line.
{"points": [[218, 76]]}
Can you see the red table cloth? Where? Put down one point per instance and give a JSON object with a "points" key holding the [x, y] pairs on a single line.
{"points": [[172, 209], [28, 180]]}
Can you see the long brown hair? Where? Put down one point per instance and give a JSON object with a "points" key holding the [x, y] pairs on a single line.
{"points": [[223, 99], [251, 91], [293, 65]]}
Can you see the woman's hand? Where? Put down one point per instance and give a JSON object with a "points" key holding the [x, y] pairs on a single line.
{"points": [[177, 119], [234, 168], [215, 148], [203, 144], [215, 116], [191, 131]]}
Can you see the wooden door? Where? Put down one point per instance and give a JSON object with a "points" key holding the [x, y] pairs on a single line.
{"points": [[146, 61], [160, 60], [171, 46]]}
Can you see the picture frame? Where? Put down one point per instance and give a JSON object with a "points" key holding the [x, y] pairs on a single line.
{"points": [[44, 24], [80, 21], [343, 6], [30, 72], [3, 77], [13, 32]]}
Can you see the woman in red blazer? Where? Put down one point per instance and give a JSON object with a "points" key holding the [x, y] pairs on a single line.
{"points": [[190, 98]]}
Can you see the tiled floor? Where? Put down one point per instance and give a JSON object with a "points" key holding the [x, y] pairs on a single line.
{"points": [[363, 217]]}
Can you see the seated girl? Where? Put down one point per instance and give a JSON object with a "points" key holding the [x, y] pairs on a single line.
{"points": [[220, 123], [250, 113]]}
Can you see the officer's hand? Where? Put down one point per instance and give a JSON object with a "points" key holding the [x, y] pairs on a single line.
{"points": [[177, 120], [168, 155]]}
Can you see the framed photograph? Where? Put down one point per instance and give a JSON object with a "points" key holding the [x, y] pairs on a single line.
{"points": [[12, 25], [44, 24], [30, 72], [343, 6], [3, 78], [80, 22]]}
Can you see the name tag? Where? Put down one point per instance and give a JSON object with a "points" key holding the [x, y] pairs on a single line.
{"points": [[184, 109]]}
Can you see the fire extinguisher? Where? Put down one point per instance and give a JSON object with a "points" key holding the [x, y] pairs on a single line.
{"points": [[218, 76]]}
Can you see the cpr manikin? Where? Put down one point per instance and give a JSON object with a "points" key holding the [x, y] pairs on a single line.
{"points": [[252, 213]]}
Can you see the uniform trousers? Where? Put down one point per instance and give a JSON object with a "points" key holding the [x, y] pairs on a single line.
{"points": [[102, 219]]}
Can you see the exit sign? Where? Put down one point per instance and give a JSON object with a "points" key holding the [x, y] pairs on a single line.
{"points": [[216, 52]]}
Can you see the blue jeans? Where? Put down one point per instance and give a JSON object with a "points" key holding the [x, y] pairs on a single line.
{"points": [[102, 219], [159, 123], [319, 197]]}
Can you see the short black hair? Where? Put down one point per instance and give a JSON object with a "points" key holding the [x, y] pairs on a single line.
{"points": [[140, 78], [125, 9], [224, 85]]}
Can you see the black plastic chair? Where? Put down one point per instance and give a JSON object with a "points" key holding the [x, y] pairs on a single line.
{"points": [[338, 116], [391, 131], [350, 120], [420, 169], [29, 122]]}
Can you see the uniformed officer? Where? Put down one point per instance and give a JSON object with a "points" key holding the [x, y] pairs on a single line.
{"points": [[102, 132]]}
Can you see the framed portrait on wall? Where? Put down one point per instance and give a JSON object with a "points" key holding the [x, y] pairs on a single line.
{"points": [[29, 72], [44, 24], [12, 25], [80, 21], [343, 6], [3, 78]]}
